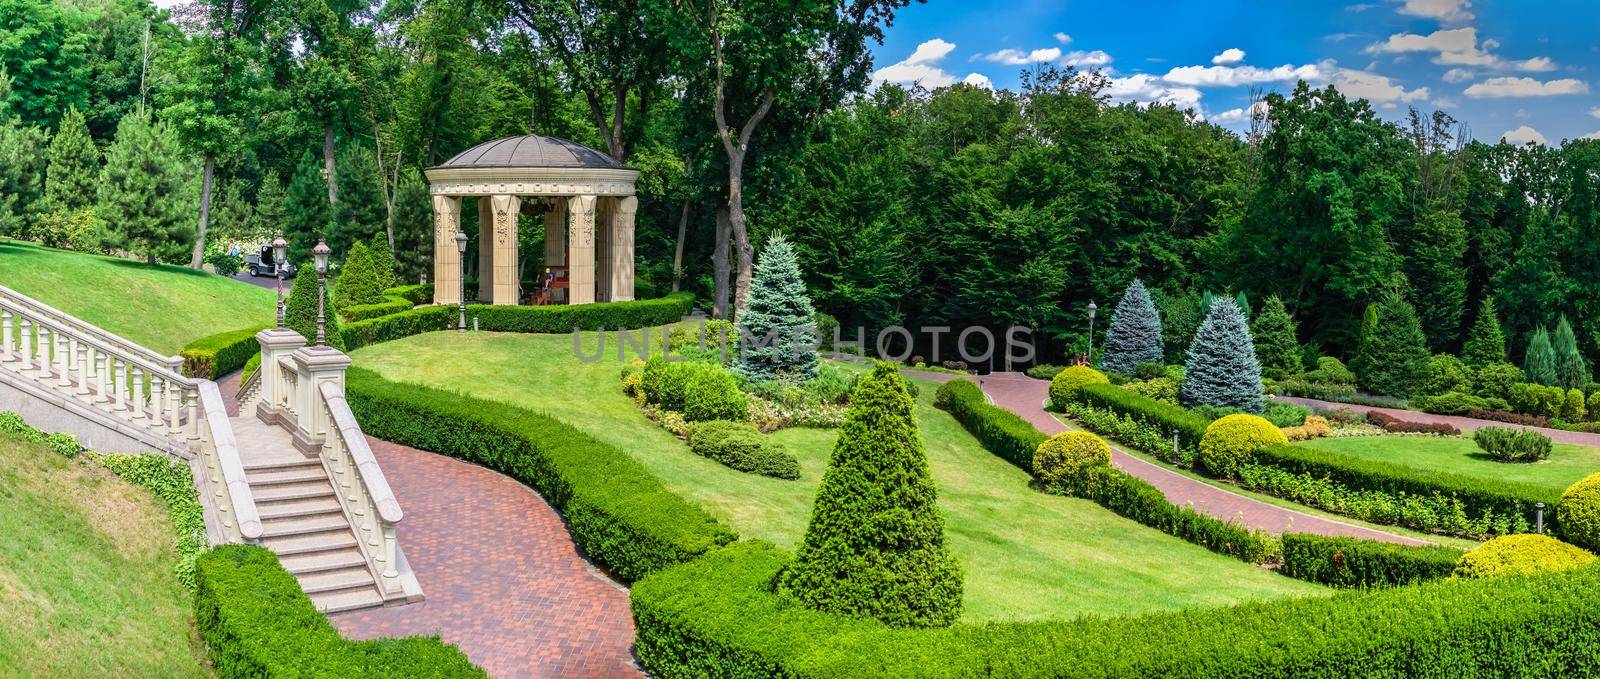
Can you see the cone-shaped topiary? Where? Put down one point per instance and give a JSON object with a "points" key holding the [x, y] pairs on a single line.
{"points": [[1524, 554], [1230, 442], [1540, 362], [300, 311], [383, 260], [1394, 356], [1065, 456], [875, 545], [1578, 513], [1571, 370], [1277, 345], [1065, 385], [1486, 343], [1135, 333], [1222, 370], [779, 309], [359, 282]]}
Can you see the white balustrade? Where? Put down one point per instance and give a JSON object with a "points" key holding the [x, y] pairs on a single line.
{"points": [[371, 502]]}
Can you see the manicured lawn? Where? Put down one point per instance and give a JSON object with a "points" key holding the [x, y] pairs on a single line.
{"points": [[86, 584], [1026, 555], [1566, 465], [160, 306]]}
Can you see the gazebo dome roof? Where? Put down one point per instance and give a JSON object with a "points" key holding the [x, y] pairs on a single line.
{"points": [[531, 151]]}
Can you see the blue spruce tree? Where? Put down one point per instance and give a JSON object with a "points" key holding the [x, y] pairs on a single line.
{"points": [[1135, 333], [1222, 369], [777, 328]]}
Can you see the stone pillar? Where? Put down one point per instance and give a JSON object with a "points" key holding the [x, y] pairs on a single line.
{"points": [[555, 241], [275, 344], [315, 365], [446, 260], [602, 248], [621, 250], [506, 284], [486, 251], [581, 211]]}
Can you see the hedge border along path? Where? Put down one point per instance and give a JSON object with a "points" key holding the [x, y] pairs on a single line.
{"points": [[1465, 424], [717, 616], [1025, 396]]}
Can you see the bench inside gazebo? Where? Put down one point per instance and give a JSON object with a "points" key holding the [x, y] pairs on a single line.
{"points": [[584, 197]]}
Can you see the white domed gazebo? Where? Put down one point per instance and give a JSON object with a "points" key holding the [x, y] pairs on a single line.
{"points": [[575, 188]]}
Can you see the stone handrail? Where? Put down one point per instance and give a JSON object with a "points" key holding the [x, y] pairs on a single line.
{"points": [[225, 469], [104, 337], [354, 465]]}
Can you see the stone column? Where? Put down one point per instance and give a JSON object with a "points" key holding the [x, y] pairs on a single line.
{"points": [[603, 209], [555, 241], [485, 251], [446, 260], [504, 211], [581, 210], [621, 251]]}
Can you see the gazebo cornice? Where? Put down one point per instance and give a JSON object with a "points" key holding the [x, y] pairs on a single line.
{"points": [[531, 181]]}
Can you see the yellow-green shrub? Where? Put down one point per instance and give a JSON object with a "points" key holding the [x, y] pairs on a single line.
{"points": [[1065, 456], [1578, 513], [1230, 441], [1066, 383], [1521, 554], [1316, 426]]}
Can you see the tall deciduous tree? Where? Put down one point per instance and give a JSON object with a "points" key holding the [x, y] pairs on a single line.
{"points": [[73, 166], [142, 177], [21, 167], [1222, 369], [1485, 344], [1135, 333], [42, 50], [1276, 338]]}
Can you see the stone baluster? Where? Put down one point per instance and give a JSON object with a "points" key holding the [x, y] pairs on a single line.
{"points": [[119, 383], [25, 342], [81, 353], [102, 374], [194, 413], [42, 348], [158, 401], [5, 336], [174, 409], [63, 352], [138, 391]]}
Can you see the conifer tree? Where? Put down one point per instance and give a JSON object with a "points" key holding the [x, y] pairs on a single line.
{"points": [[1222, 369], [73, 166], [875, 545], [1571, 370], [1486, 344], [270, 217], [300, 310], [1369, 326], [306, 210], [1539, 363], [779, 321], [1135, 333], [21, 167], [1435, 267], [1394, 354], [139, 189], [358, 279], [383, 261], [1276, 338]]}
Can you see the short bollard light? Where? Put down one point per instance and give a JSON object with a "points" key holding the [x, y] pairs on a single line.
{"points": [[1538, 517]]}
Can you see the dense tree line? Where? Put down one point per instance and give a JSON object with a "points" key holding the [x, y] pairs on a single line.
{"points": [[959, 206]]}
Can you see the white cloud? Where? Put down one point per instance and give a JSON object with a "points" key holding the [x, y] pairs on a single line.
{"points": [[1236, 76], [1016, 57], [979, 80], [1240, 115], [1534, 65], [1592, 135], [1374, 87], [1459, 75], [1091, 58], [1595, 111], [1062, 38], [1524, 135], [921, 67], [1458, 47], [1232, 55], [1525, 87], [1144, 89], [1449, 11]]}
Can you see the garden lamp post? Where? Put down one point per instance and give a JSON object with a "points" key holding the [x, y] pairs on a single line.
{"points": [[1092, 307], [461, 248], [320, 254], [280, 251]]}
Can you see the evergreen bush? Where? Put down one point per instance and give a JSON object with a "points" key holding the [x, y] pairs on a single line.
{"points": [[1446, 373], [1231, 442], [1064, 458], [1571, 370], [1494, 380], [1539, 363], [1065, 385], [779, 320], [1512, 445], [1578, 513], [875, 545], [1486, 344], [1394, 357], [300, 311], [1524, 554], [1222, 369], [740, 446], [358, 281], [383, 261], [1277, 346], [1135, 333]]}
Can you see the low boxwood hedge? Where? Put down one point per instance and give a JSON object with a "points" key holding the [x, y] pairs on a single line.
{"points": [[415, 294], [257, 622], [362, 312], [1477, 495], [1190, 426], [1000, 431], [540, 319], [616, 511], [213, 356], [717, 616], [1354, 562]]}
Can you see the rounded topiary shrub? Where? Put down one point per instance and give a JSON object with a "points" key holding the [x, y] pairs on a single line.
{"points": [[1523, 554], [1064, 457], [740, 446], [712, 393], [1578, 514], [1065, 385], [1230, 441]]}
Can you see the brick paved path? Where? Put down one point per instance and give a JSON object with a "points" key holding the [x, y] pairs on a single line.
{"points": [[1577, 438], [1025, 396], [502, 578]]}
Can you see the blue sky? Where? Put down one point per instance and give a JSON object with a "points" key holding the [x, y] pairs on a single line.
{"points": [[1526, 71]]}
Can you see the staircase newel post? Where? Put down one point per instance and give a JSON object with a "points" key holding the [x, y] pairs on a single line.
{"points": [[315, 365], [273, 397], [390, 568]]}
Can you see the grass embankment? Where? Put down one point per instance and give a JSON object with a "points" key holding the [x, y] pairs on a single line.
{"points": [[1026, 555], [160, 306], [86, 583], [1567, 463]]}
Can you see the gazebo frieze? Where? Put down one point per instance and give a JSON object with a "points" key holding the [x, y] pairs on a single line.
{"points": [[531, 182]]}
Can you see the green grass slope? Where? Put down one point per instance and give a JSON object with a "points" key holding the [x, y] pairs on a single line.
{"points": [[1026, 555], [160, 306], [86, 584], [1567, 463]]}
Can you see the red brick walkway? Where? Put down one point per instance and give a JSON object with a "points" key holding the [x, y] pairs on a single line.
{"points": [[501, 576], [1025, 396], [1576, 438]]}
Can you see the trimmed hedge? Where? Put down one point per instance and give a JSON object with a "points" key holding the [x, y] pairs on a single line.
{"points": [[1000, 431], [717, 616], [1395, 425], [415, 294], [539, 319], [617, 512], [1354, 562], [739, 446], [1191, 426], [1477, 495], [361, 312], [257, 622], [213, 356], [1525, 554]]}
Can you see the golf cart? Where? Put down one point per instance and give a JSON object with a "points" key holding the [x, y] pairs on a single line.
{"points": [[261, 264]]}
